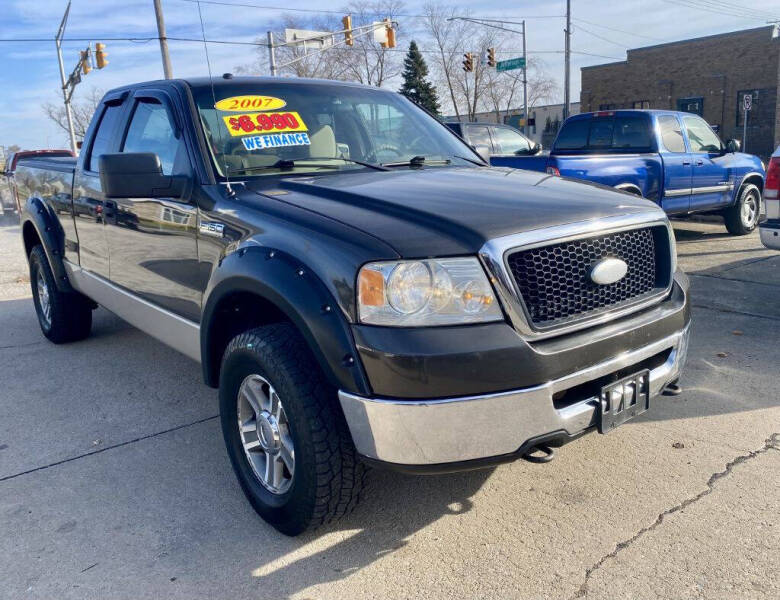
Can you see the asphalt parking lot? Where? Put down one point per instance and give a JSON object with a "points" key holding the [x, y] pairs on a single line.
{"points": [[114, 482]]}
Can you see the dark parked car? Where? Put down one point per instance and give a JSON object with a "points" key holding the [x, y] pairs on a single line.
{"points": [[359, 285], [502, 145]]}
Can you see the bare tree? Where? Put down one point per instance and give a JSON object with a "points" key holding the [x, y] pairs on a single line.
{"points": [[504, 90], [367, 61], [82, 112], [447, 36]]}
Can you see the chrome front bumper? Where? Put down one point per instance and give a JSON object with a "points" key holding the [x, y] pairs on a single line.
{"points": [[432, 432]]}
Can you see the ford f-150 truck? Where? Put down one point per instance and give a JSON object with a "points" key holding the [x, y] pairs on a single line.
{"points": [[360, 287], [672, 158]]}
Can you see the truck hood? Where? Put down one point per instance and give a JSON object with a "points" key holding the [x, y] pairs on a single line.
{"points": [[449, 211]]}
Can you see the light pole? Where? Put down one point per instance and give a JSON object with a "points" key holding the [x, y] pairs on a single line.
{"points": [[65, 95], [567, 61]]}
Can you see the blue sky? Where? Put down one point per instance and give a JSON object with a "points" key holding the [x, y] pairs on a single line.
{"points": [[30, 75]]}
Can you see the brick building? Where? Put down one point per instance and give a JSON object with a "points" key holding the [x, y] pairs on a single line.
{"points": [[708, 76]]}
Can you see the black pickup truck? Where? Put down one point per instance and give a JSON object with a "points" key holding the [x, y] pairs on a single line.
{"points": [[361, 287]]}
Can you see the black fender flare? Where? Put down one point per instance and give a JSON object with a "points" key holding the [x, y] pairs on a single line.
{"points": [[49, 230], [304, 299]]}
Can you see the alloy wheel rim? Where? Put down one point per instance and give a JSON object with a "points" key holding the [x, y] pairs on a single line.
{"points": [[265, 434], [44, 299], [749, 210]]}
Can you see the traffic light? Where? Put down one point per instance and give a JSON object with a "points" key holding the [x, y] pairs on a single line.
{"points": [[100, 55], [85, 66], [468, 62], [491, 57], [346, 21], [390, 34]]}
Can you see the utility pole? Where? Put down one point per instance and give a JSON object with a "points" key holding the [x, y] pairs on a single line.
{"points": [[65, 95], [525, 84], [271, 56], [567, 60], [166, 59]]}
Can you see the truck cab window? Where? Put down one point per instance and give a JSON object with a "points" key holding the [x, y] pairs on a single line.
{"points": [[104, 136], [152, 131], [510, 142], [671, 133], [701, 137], [478, 135]]}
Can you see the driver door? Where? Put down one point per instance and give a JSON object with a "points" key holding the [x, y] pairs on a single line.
{"points": [[153, 241], [711, 182]]}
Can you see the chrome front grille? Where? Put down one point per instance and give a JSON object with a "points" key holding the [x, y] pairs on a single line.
{"points": [[554, 280]]}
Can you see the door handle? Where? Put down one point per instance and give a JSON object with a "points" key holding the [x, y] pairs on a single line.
{"points": [[686, 163], [699, 163]]}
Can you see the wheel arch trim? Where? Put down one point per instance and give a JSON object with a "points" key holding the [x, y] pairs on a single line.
{"points": [[37, 214], [299, 295]]}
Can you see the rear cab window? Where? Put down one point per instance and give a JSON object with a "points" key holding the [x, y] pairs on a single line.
{"points": [[610, 133], [671, 134]]}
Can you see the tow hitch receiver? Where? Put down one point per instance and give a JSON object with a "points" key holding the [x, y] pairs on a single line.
{"points": [[623, 400]]}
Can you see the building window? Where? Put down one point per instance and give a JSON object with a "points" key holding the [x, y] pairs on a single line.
{"points": [[691, 105], [641, 104], [607, 106]]}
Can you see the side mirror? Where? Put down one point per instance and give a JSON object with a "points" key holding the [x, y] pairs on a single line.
{"points": [[733, 146], [138, 175], [536, 148], [483, 150]]}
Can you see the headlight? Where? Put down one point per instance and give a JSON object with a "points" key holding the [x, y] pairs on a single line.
{"points": [[672, 247], [417, 293]]}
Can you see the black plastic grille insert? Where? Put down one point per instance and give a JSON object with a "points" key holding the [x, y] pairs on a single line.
{"points": [[554, 281]]}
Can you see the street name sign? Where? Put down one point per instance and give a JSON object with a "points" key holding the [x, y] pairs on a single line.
{"points": [[512, 63]]}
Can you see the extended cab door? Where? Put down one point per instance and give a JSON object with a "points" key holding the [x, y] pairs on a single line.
{"points": [[153, 241], [712, 181], [677, 165], [88, 198]]}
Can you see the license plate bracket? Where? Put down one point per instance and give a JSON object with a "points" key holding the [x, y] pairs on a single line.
{"points": [[622, 400]]}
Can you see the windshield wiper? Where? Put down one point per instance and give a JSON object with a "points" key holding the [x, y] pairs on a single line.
{"points": [[417, 161], [471, 160], [288, 164]]}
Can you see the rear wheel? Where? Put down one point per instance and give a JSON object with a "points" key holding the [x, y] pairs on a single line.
{"points": [[742, 218], [63, 316], [287, 440]]}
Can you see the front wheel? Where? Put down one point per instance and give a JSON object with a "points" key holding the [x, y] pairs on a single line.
{"points": [[287, 440], [63, 316], [742, 218]]}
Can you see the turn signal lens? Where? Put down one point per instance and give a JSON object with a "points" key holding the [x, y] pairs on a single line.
{"points": [[371, 288], [422, 293]]}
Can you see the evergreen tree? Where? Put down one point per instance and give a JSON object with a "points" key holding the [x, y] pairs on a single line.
{"points": [[416, 87]]}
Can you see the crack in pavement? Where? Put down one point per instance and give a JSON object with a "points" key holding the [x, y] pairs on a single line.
{"points": [[771, 443], [112, 447], [711, 276], [735, 312]]}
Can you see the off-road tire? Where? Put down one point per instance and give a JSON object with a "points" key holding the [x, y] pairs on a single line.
{"points": [[70, 313], [734, 216], [328, 476]]}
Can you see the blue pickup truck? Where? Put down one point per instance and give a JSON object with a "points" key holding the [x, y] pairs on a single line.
{"points": [[672, 158]]}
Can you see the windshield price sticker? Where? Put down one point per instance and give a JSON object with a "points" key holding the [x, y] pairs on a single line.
{"points": [[245, 103], [277, 140], [264, 123]]}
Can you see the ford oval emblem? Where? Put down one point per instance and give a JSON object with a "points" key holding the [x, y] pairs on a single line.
{"points": [[608, 270]]}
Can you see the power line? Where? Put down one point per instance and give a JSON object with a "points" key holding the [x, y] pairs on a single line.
{"points": [[729, 11], [264, 44], [631, 33], [339, 12], [596, 35]]}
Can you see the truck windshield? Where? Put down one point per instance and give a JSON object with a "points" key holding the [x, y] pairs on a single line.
{"points": [[619, 133], [262, 128]]}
